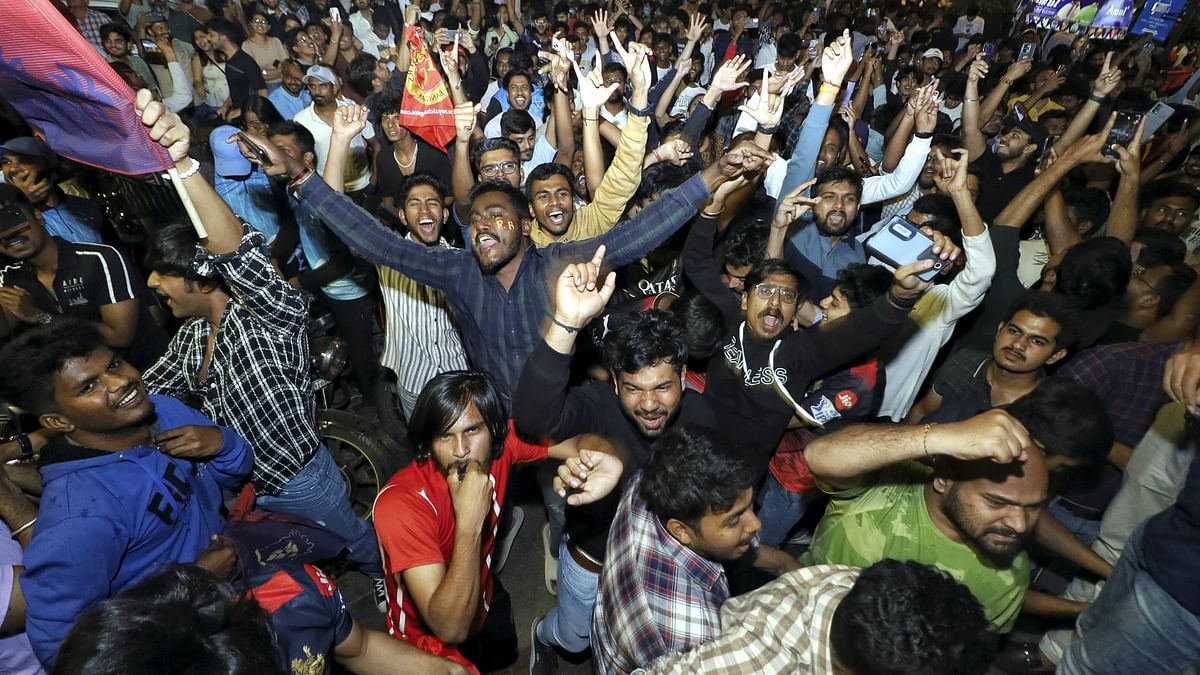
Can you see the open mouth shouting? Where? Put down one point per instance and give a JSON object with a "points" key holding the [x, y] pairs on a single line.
{"points": [[131, 398], [16, 238], [427, 228], [557, 217]]}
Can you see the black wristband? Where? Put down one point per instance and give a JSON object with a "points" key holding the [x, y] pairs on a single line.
{"points": [[923, 134], [1098, 99], [569, 329], [767, 130], [26, 446], [640, 112], [902, 303]]}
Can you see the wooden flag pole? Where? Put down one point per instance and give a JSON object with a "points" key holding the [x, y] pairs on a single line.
{"points": [[173, 174]]}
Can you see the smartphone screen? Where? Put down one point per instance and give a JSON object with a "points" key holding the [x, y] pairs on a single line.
{"points": [[1158, 116], [849, 96], [149, 45], [1122, 132], [988, 51], [899, 243], [335, 14], [1027, 51]]}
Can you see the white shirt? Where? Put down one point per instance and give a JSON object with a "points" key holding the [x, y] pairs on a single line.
{"points": [[909, 355], [875, 188], [358, 167]]}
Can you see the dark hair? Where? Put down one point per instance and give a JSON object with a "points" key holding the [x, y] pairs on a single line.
{"points": [[746, 244], [514, 121], [544, 172], [491, 145], [496, 58], [1164, 188], [912, 619], [171, 251], [515, 72], [1088, 205], [692, 472], [418, 179], [1159, 248], [516, 198], [317, 24], [945, 215], [292, 36], [838, 174], [703, 326], [445, 398], [1067, 418], [1172, 287], [615, 68], [180, 620], [227, 28], [261, 106], [862, 283], [1053, 306], [646, 339], [777, 266], [788, 45], [386, 102], [362, 74], [119, 27], [1094, 272], [34, 357], [304, 137]]}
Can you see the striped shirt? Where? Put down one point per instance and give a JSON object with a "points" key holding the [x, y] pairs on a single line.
{"points": [[782, 627], [421, 340]]}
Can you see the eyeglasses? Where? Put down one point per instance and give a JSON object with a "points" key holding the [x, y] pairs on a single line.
{"points": [[764, 291], [259, 21], [493, 170]]}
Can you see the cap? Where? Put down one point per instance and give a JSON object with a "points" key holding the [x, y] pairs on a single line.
{"points": [[932, 52], [1036, 131], [156, 17], [12, 215], [321, 73], [227, 159], [30, 147]]}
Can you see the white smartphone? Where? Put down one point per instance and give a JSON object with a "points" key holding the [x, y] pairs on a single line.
{"points": [[1158, 116], [335, 14], [899, 243]]}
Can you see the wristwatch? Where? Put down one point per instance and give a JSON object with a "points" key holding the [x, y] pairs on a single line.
{"points": [[22, 439]]}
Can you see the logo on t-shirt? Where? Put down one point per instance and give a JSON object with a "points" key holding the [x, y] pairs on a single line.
{"points": [[845, 400]]}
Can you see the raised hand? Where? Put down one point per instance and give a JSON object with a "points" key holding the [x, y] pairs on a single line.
{"points": [[794, 205], [636, 61], [696, 27], [164, 126], [726, 77], [465, 115], [19, 303], [769, 109], [674, 152], [593, 93], [926, 116], [837, 59], [746, 158], [1108, 79], [471, 495], [450, 62], [1129, 158], [977, 70], [952, 174], [600, 25], [349, 120], [579, 294], [587, 478], [1018, 69]]}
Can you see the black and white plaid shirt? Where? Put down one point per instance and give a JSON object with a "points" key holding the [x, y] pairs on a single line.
{"points": [[258, 379]]}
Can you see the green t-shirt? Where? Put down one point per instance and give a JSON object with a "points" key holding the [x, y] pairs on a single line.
{"points": [[886, 517]]}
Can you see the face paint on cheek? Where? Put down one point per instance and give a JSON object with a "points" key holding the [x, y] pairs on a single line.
{"points": [[506, 224]]}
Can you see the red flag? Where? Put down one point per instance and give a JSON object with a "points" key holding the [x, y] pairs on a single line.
{"points": [[68, 93], [426, 109]]}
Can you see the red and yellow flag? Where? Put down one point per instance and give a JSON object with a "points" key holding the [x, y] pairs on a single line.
{"points": [[426, 108]]}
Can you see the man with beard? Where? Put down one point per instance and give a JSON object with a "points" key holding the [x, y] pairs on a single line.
{"points": [[942, 145], [318, 118], [49, 278], [169, 460], [766, 367], [1038, 331], [818, 251], [681, 518], [501, 282], [1008, 166], [1170, 206], [292, 97], [437, 520], [518, 84], [969, 510], [646, 354]]}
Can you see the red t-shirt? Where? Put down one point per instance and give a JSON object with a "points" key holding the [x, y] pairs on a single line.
{"points": [[414, 521]]}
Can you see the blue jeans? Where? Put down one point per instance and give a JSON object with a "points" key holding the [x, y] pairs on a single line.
{"points": [[1134, 626], [1086, 529], [780, 511], [318, 493], [569, 624]]}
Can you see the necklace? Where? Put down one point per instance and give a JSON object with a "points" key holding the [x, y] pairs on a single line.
{"points": [[412, 160]]}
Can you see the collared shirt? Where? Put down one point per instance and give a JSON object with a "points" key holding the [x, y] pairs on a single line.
{"points": [[500, 326], [420, 338], [88, 278], [782, 627], [819, 259], [89, 28], [75, 219], [657, 596], [258, 380]]}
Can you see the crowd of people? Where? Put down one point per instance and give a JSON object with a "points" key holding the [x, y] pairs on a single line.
{"points": [[856, 338]]}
